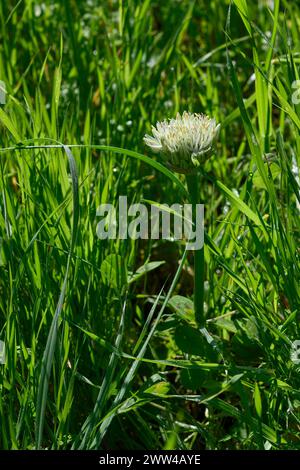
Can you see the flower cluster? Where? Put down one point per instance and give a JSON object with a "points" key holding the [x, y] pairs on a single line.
{"points": [[185, 142]]}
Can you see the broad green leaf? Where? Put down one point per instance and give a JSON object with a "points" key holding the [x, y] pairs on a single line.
{"points": [[273, 169], [142, 270], [114, 271]]}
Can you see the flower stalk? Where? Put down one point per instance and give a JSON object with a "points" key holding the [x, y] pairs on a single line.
{"points": [[185, 143], [193, 188]]}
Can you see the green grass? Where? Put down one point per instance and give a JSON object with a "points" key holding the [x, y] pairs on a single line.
{"points": [[102, 347]]}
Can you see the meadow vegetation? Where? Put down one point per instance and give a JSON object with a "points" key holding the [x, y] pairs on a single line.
{"points": [[102, 347]]}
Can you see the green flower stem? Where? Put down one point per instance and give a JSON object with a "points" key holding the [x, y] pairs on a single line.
{"points": [[192, 183]]}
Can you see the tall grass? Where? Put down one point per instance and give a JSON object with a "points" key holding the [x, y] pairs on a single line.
{"points": [[102, 349]]}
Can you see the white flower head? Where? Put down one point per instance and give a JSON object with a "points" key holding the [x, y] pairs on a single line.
{"points": [[185, 142]]}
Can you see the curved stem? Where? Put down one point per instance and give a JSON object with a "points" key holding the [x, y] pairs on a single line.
{"points": [[192, 183]]}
